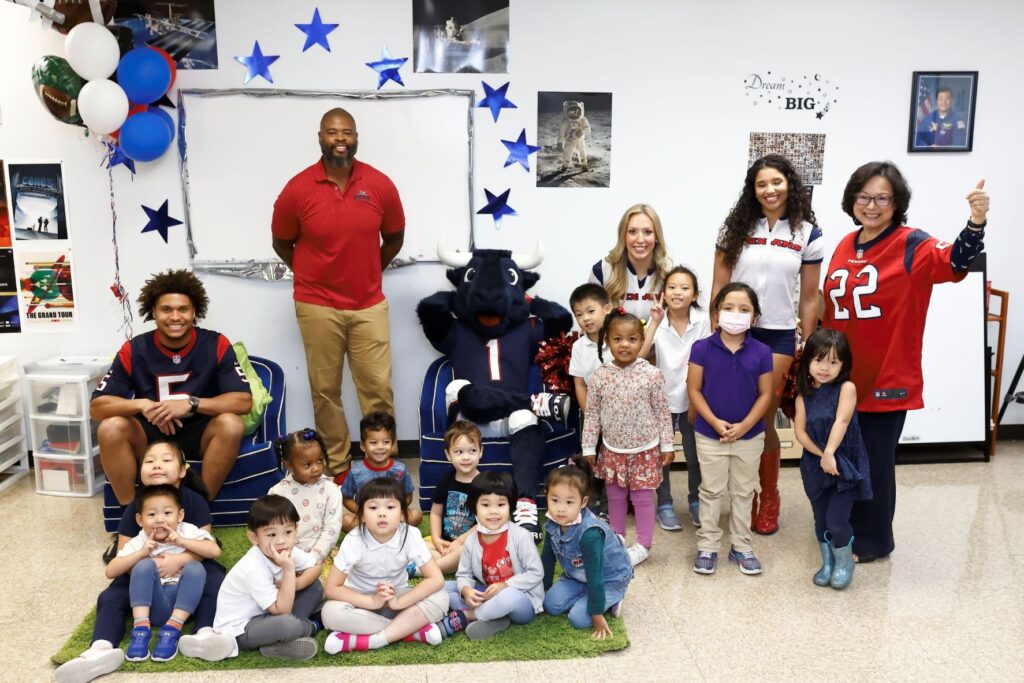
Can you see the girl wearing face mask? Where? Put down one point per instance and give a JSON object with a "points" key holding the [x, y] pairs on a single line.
{"points": [[769, 239], [729, 382]]}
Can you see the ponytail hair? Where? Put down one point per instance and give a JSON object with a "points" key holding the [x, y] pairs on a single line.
{"points": [[616, 314], [284, 445], [576, 472]]}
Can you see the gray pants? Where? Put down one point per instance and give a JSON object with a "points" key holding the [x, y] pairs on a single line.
{"points": [[680, 422], [267, 629]]}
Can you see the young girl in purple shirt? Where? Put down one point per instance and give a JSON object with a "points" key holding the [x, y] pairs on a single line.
{"points": [[729, 382]]}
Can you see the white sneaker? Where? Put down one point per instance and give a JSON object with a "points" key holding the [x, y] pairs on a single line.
{"points": [[92, 663], [208, 645], [637, 553]]}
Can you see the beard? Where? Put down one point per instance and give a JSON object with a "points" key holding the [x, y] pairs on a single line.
{"points": [[338, 159]]}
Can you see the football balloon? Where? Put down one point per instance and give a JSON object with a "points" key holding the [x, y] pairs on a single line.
{"points": [[57, 86], [77, 11]]}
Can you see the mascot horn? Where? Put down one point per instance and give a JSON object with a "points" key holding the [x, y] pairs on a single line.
{"points": [[490, 329]]}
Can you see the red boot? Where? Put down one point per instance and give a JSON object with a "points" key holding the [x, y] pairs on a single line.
{"points": [[767, 519]]}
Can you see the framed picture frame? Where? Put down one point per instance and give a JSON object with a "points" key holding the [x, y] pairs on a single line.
{"points": [[942, 106]]}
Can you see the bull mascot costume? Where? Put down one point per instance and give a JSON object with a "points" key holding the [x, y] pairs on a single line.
{"points": [[490, 330]]}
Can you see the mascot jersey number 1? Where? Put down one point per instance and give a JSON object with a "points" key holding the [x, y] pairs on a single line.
{"points": [[490, 330]]}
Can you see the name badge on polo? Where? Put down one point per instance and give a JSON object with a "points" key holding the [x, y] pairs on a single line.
{"points": [[362, 196]]}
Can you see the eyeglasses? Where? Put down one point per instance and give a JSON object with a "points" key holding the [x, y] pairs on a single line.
{"points": [[881, 201]]}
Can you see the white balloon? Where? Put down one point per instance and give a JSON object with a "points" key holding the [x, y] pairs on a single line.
{"points": [[103, 105], [92, 51]]}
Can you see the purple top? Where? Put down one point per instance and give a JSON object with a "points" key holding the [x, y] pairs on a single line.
{"points": [[730, 380]]}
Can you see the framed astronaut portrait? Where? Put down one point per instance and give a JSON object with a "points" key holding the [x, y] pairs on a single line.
{"points": [[574, 131], [942, 107]]}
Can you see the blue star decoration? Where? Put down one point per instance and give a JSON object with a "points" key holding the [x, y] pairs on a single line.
{"points": [[495, 100], [387, 68], [117, 157], [497, 206], [159, 221], [257, 64], [519, 151], [316, 31]]}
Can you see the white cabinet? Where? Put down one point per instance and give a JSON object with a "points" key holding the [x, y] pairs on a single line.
{"points": [[64, 447], [13, 441]]}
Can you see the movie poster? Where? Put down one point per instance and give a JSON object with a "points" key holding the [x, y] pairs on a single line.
{"points": [[10, 320], [5, 218], [186, 29], [45, 289], [38, 210]]}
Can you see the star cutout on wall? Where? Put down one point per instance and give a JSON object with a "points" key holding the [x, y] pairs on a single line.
{"points": [[497, 206], [117, 157], [495, 100], [820, 114], [257, 64], [519, 151], [316, 31], [387, 68], [159, 221]]}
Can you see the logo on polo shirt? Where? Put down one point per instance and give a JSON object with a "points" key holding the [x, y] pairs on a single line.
{"points": [[362, 196]]}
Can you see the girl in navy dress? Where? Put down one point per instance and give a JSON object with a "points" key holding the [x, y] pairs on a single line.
{"points": [[834, 466]]}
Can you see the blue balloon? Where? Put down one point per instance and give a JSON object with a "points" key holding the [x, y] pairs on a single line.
{"points": [[165, 117], [144, 75], [145, 136]]}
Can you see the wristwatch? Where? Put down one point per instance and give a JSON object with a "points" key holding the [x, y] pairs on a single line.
{"points": [[193, 405]]}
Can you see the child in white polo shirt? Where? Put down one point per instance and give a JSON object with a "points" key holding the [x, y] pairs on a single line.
{"points": [[268, 597], [677, 321]]}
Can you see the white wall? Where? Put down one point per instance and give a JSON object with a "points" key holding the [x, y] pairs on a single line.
{"points": [[680, 127]]}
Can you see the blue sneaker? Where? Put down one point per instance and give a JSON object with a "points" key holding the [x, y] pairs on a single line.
{"points": [[747, 561], [705, 562], [138, 648], [667, 519], [695, 512], [166, 644]]}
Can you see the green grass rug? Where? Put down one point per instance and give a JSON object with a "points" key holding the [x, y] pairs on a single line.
{"points": [[547, 637]]}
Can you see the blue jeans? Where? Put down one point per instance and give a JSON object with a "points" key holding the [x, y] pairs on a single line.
{"points": [[570, 595], [511, 603], [146, 590]]}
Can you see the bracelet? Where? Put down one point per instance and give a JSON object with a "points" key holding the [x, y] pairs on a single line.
{"points": [[976, 226]]}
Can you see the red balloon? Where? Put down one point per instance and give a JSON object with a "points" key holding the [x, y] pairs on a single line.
{"points": [[170, 63]]}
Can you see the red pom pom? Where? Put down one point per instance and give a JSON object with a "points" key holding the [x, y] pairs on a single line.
{"points": [[553, 360]]}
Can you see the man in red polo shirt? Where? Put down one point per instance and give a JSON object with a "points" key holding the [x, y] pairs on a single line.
{"points": [[337, 225]]}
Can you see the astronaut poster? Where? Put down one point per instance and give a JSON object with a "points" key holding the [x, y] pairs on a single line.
{"points": [[574, 130], [460, 36], [37, 207], [46, 291], [185, 29]]}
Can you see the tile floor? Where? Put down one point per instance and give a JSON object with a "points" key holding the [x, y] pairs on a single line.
{"points": [[948, 605]]}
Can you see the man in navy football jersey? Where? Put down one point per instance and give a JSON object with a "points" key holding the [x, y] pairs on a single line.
{"points": [[178, 382]]}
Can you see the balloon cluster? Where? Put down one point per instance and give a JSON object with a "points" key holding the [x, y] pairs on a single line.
{"points": [[109, 90]]}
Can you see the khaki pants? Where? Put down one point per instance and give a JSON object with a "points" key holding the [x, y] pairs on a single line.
{"points": [[328, 335], [341, 616], [727, 468]]}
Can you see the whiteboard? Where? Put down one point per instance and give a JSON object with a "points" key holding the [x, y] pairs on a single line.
{"points": [[953, 362], [238, 149]]}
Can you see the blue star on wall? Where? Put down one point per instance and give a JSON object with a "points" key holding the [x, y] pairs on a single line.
{"points": [[159, 221], [117, 157], [316, 31], [497, 206], [495, 100], [387, 68], [257, 64], [519, 151]]}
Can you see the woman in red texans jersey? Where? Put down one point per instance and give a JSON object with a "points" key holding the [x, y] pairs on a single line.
{"points": [[877, 290]]}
